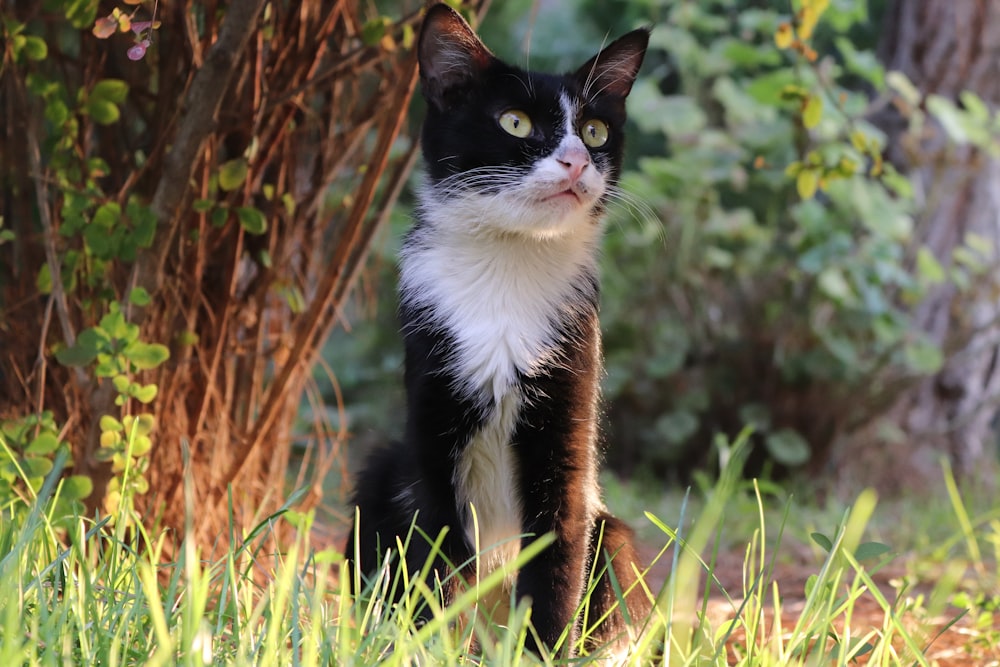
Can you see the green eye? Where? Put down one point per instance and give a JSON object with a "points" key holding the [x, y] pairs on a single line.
{"points": [[594, 133], [515, 122]]}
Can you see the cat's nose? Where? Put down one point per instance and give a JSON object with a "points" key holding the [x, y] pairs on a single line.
{"points": [[575, 159]]}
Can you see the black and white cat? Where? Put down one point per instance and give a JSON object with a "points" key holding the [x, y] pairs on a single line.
{"points": [[499, 300]]}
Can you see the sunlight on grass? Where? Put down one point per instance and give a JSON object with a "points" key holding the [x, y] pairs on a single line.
{"points": [[84, 592]]}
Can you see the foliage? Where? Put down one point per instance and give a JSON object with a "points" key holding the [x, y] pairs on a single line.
{"points": [[30, 448], [778, 289], [175, 262], [109, 596]]}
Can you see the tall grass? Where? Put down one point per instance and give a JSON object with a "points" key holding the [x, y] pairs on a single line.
{"points": [[80, 591]]}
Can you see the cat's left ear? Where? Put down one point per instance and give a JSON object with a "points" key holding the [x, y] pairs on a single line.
{"points": [[613, 70], [451, 56]]}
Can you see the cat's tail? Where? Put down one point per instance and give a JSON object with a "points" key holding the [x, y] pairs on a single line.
{"points": [[619, 604]]}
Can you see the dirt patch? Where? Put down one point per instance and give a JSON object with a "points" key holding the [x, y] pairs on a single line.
{"points": [[972, 640]]}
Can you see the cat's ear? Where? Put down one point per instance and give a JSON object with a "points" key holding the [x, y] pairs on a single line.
{"points": [[451, 56], [613, 70]]}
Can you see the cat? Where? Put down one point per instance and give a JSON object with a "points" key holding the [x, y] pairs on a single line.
{"points": [[498, 310]]}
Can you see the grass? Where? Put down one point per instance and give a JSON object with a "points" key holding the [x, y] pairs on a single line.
{"points": [[78, 591]]}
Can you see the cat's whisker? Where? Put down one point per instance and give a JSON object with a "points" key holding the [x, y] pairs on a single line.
{"points": [[524, 84], [636, 209]]}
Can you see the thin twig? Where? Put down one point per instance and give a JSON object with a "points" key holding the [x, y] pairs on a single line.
{"points": [[58, 294]]}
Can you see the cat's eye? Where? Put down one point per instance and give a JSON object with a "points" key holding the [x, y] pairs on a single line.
{"points": [[594, 133], [515, 122]]}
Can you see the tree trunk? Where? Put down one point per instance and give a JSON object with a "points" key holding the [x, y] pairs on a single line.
{"points": [[944, 48]]}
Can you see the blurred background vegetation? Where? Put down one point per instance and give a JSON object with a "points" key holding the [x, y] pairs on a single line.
{"points": [[809, 246], [750, 292]]}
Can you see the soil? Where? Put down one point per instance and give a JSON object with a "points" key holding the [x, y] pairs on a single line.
{"points": [[973, 640]]}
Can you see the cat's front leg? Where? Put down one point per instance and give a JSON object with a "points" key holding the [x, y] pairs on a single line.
{"points": [[555, 579], [557, 468]]}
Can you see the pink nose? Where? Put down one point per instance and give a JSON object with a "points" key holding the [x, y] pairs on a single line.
{"points": [[575, 159]]}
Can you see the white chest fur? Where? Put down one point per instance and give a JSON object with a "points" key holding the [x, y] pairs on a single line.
{"points": [[499, 295]]}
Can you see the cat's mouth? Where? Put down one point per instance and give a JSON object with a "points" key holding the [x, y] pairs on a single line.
{"points": [[565, 195]]}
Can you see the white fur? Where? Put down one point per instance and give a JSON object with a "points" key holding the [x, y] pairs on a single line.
{"points": [[486, 483]]}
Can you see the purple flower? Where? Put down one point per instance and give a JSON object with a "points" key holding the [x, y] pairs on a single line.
{"points": [[138, 50]]}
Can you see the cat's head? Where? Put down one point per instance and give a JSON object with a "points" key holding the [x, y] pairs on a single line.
{"points": [[520, 151]]}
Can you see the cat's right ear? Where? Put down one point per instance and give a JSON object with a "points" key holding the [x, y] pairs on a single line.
{"points": [[450, 54]]}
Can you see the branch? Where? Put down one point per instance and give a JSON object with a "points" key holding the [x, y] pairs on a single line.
{"points": [[200, 106], [58, 295]]}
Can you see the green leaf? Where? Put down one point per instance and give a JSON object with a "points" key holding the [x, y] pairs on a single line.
{"points": [[121, 383], [43, 282], [80, 13], [146, 355], [952, 119], [974, 105], [141, 445], [35, 48], [928, 267], [232, 174], [144, 394], [185, 338], [102, 243], [823, 541], [811, 582], [36, 467], [56, 112], [787, 447], [45, 443], [139, 296], [105, 454], [219, 215], [144, 230], [812, 111], [374, 30], [979, 243], [252, 220], [111, 90], [832, 282], [202, 205], [108, 365], [117, 327], [109, 423], [107, 215], [143, 423], [871, 550], [923, 357], [76, 487], [677, 426], [408, 36], [88, 344], [103, 112], [806, 182], [902, 85]]}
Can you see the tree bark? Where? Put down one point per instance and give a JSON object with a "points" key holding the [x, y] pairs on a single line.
{"points": [[944, 48]]}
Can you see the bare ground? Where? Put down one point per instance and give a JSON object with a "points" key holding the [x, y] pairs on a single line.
{"points": [[972, 640]]}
